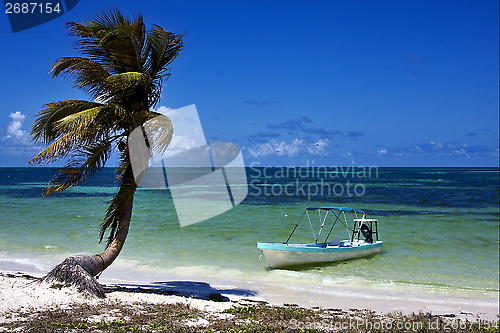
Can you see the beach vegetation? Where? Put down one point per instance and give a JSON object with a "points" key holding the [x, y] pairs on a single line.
{"points": [[177, 317], [122, 68], [247, 310]]}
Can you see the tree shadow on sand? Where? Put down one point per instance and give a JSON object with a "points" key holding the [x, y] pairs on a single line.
{"points": [[191, 289]]}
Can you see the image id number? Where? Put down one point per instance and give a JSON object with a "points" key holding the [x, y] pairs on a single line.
{"points": [[32, 8]]}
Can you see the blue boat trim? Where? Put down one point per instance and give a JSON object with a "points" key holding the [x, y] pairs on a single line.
{"points": [[345, 209], [315, 248]]}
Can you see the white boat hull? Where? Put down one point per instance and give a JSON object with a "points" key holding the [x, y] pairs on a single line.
{"points": [[286, 255]]}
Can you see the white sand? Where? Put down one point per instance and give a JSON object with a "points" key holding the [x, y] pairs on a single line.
{"points": [[25, 294], [20, 293]]}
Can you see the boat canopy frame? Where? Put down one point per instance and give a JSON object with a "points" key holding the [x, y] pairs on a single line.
{"points": [[338, 212]]}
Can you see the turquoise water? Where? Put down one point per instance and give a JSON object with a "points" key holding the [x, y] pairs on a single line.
{"points": [[440, 226]]}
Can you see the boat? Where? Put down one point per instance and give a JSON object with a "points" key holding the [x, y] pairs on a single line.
{"points": [[363, 240]]}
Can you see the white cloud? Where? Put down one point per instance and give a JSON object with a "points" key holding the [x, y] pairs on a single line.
{"points": [[277, 148], [292, 149], [439, 150], [17, 116], [318, 148], [14, 129], [17, 141], [188, 132], [289, 149], [163, 110]]}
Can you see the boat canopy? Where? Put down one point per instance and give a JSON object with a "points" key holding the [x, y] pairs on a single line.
{"points": [[339, 215], [345, 209]]}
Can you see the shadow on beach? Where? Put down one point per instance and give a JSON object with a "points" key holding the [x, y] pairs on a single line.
{"points": [[191, 289]]}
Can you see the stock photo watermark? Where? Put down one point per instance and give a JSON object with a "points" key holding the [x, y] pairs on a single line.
{"points": [[204, 179], [366, 325], [309, 181]]}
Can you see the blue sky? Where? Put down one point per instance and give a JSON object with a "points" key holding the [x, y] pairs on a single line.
{"points": [[325, 83]]}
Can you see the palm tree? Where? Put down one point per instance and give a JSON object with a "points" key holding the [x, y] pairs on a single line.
{"points": [[122, 69]]}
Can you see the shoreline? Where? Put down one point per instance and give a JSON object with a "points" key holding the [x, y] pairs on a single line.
{"points": [[275, 288], [28, 305], [187, 287], [381, 299]]}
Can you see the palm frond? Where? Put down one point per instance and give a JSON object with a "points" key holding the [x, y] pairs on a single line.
{"points": [[57, 150], [44, 128], [129, 84], [125, 80], [78, 122], [112, 40], [164, 48], [160, 131], [87, 74], [114, 118], [155, 93], [94, 158]]}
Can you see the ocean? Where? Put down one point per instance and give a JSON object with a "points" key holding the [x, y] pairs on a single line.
{"points": [[440, 227]]}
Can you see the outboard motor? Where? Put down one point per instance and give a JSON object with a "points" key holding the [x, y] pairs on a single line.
{"points": [[367, 233]]}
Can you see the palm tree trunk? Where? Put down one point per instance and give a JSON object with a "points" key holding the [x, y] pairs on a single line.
{"points": [[113, 249], [80, 271]]}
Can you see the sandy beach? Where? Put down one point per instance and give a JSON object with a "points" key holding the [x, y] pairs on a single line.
{"points": [[21, 293]]}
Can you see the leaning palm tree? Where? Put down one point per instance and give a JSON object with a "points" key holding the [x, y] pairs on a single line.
{"points": [[122, 68]]}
